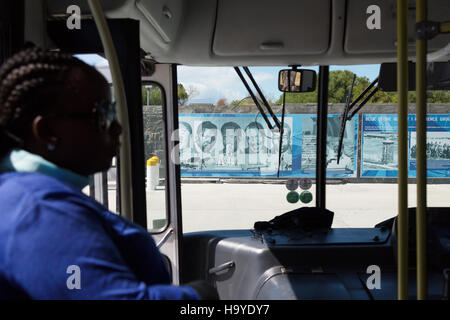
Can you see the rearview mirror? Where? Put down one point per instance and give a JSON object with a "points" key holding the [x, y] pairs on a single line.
{"points": [[438, 76], [302, 80]]}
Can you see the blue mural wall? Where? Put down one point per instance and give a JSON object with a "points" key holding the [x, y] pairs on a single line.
{"points": [[242, 145], [380, 146]]}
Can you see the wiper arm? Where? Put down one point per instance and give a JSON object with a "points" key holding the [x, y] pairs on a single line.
{"points": [[263, 98], [349, 106], [255, 100], [375, 90], [344, 118]]}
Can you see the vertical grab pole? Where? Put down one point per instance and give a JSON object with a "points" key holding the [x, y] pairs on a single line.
{"points": [[421, 157], [402, 87], [119, 91], [321, 137]]}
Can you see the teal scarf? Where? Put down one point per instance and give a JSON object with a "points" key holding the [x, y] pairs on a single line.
{"points": [[23, 161]]}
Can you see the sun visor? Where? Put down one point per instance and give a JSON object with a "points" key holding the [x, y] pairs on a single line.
{"points": [[163, 16], [371, 25], [253, 28]]}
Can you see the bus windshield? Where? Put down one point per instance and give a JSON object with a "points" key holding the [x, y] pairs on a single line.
{"points": [[233, 174]]}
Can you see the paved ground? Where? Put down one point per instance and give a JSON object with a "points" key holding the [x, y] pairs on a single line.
{"points": [[237, 206]]}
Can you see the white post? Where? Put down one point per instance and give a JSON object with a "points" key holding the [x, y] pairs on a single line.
{"points": [[152, 173]]}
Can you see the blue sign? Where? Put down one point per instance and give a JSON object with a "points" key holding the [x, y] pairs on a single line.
{"points": [[437, 148], [380, 145]]}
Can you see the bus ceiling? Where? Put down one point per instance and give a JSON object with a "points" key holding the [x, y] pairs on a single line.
{"points": [[321, 32]]}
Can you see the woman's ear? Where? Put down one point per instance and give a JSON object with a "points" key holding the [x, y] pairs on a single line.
{"points": [[43, 132]]}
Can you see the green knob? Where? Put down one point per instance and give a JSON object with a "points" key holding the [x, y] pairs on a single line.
{"points": [[292, 184], [292, 197], [306, 197]]}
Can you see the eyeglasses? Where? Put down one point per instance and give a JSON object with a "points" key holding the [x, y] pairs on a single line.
{"points": [[104, 114]]}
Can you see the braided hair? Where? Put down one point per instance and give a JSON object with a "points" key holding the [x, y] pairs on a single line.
{"points": [[30, 81]]}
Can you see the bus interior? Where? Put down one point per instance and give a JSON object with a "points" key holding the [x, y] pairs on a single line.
{"points": [[291, 252]]}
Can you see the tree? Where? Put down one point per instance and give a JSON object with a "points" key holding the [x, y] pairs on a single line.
{"points": [[192, 91], [339, 85], [221, 102], [155, 96], [438, 96], [247, 101], [183, 96]]}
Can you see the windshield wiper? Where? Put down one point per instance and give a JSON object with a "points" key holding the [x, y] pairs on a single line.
{"points": [[344, 118], [255, 100], [348, 107]]}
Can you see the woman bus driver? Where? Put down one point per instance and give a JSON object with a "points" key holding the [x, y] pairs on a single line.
{"points": [[57, 127]]}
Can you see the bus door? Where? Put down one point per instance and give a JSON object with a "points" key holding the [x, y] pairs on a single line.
{"points": [[163, 192]]}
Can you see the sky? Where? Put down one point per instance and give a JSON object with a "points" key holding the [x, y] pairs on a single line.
{"points": [[209, 84]]}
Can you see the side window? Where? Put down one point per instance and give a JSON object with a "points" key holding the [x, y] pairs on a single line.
{"points": [[155, 155]]}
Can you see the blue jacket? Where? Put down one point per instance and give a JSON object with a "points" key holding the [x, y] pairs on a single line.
{"points": [[57, 243]]}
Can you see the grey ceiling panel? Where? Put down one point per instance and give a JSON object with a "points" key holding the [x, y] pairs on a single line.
{"points": [[253, 28], [364, 35], [265, 32]]}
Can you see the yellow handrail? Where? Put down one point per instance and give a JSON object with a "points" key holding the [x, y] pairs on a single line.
{"points": [[402, 88], [421, 158], [445, 26]]}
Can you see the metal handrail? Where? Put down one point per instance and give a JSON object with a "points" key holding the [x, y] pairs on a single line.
{"points": [[126, 188], [421, 158], [402, 88]]}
